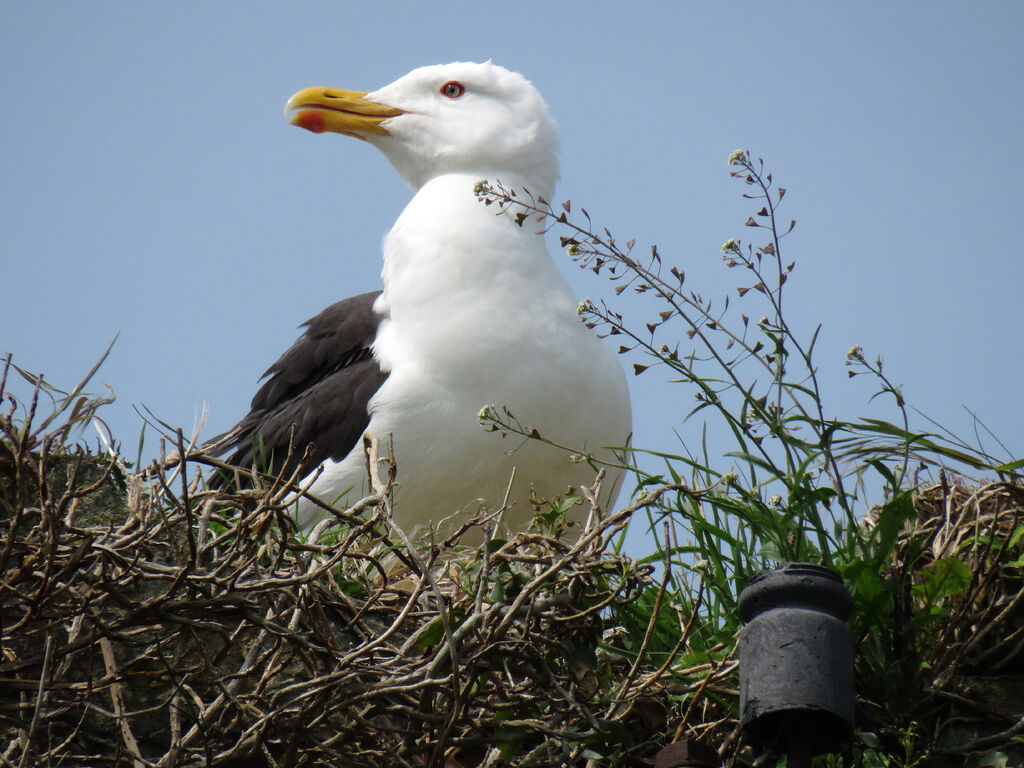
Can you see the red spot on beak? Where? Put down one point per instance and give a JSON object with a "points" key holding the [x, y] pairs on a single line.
{"points": [[311, 120]]}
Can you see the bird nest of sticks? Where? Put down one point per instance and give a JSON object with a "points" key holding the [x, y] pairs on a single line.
{"points": [[957, 625], [149, 620]]}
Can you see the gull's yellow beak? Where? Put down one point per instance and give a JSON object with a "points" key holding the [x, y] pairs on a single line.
{"points": [[338, 111]]}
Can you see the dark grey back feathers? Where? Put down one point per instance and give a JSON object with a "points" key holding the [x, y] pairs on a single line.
{"points": [[317, 393]]}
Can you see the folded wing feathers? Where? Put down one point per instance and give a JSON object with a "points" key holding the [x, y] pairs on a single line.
{"points": [[317, 393]]}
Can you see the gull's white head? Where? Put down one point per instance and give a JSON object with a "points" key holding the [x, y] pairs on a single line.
{"points": [[448, 118]]}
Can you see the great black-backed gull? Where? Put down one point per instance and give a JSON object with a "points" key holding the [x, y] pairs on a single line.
{"points": [[473, 312]]}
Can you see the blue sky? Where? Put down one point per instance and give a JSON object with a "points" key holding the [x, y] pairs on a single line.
{"points": [[149, 184]]}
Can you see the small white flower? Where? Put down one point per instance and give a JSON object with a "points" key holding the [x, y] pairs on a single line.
{"points": [[737, 157]]}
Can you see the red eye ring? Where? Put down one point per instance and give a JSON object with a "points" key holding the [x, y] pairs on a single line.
{"points": [[453, 89]]}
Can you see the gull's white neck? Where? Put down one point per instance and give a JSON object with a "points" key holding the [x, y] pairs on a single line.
{"points": [[447, 246]]}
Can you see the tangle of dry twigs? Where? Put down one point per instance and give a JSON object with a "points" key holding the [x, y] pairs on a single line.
{"points": [[149, 621]]}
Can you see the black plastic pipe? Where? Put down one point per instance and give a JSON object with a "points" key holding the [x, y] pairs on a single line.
{"points": [[796, 662]]}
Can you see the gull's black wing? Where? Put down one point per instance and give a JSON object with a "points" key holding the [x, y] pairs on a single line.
{"points": [[317, 393]]}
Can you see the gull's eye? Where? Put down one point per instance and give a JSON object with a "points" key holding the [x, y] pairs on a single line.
{"points": [[452, 89]]}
